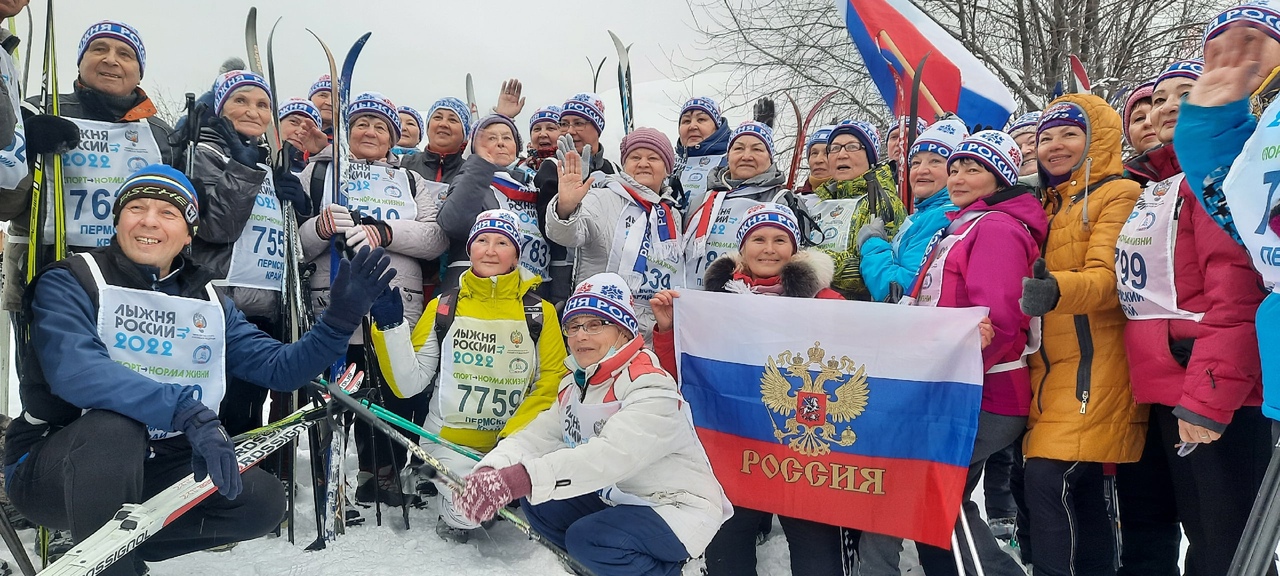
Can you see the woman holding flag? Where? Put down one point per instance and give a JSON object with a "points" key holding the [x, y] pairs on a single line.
{"points": [[626, 223], [768, 262]]}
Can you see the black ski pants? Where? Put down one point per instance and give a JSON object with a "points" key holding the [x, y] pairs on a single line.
{"points": [[80, 476], [1069, 522], [815, 548]]}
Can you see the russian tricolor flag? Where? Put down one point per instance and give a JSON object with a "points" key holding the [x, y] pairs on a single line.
{"points": [[956, 78], [847, 413]]}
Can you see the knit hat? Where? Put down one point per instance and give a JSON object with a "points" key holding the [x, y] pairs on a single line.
{"points": [[162, 183], [1142, 92], [820, 136], [756, 129], [1189, 69], [995, 150], [1063, 114], [941, 138], [380, 107], [492, 119], [504, 222], [605, 295], [115, 31], [323, 84], [300, 106], [649, 139], [228, 83], [585, 105], [1263, 13], [768, 214], [922, 124], [545, 114], [704, 104], [417, 117], [457, 107], [864, 132], [1024, 123]]}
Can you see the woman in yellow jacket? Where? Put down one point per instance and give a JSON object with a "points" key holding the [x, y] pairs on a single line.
{"points": [[1082, 410], [491, 347]]}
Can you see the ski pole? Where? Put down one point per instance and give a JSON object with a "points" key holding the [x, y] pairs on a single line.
{"points": [[446, 476], [1262, 532], [409, 426]]}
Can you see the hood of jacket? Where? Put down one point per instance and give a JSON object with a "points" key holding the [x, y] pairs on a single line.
{"points": [[510, 286], [808, 272], [1160, 163], [1017, 201], [770, 178], [716, 143], [1103, 156]]}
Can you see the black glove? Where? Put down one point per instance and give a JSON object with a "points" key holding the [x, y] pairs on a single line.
{"points": [[388, 309], [49, 134], [1040, 293], [239, 150], [359, 281], [764, 112], [370, 232], [289, 189], [212, 453]]}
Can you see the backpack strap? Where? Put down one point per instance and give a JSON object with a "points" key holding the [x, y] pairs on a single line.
{"points": [[318, 175]]}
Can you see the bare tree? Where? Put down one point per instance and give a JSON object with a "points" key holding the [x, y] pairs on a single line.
{"points": [[169, 107], [803, 47]]}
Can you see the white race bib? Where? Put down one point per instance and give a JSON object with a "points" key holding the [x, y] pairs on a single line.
{"points": [[92, 173], [485, 370], [696, 174], [382, 192], [1252, 188], [257, 259], [1144, 255], [165, 338], [13, 160], [722, 238], [835, 220], [535, 253]]}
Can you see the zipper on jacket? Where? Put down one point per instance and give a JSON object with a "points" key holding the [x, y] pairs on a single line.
{"points": [[1084, 401], [1084, 373], [1044, 357]]}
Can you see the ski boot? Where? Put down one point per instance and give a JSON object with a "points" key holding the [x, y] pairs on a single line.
{"points": [[447, 532], [382, 486]]}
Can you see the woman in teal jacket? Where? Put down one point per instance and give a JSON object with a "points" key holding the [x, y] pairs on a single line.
{"points": [[885, 262]]}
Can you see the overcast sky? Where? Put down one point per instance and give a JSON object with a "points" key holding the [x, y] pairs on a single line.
{"points": [[419, 51]]}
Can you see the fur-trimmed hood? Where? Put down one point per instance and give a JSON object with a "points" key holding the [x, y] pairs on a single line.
{"points": [[807, 274]]}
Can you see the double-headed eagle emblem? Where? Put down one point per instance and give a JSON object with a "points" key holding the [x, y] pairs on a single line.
{"points": [[813, 412]]}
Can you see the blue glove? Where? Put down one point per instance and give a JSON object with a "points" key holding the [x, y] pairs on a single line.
{"points": [[212, 453], [289, 189], [239, 150], [388, 309], [359, 281]]}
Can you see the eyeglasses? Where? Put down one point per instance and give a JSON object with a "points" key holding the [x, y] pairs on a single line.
{"points": [[851, 147], [592, 327]]}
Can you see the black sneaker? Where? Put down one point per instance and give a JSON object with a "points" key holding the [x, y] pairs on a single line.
{"points": [[385, 485]]}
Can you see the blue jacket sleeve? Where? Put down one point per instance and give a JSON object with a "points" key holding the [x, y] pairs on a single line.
{"points": [[1227, 128], [254, 356], [76, 363], [881, 267]]}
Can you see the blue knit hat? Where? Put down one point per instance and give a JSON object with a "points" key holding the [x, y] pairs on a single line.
{"points": [[769, 214], [922, 124], [457, 107], [1023, 123], [379, 106], [585, 105], [162, 183], [504, 222], [1189, 69], [545, 114], [605, 295], [417, 117], [229, 82], [1063, 114], [865, 132], [300, 106], [704, 104], [1263, 13], [820, 136], [756, 129], [995, 150], [941, 138], [115, 31], [322, 84]]}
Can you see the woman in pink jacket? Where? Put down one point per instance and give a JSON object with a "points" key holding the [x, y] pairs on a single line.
{"points": [[980, 259], [1191, 296]]}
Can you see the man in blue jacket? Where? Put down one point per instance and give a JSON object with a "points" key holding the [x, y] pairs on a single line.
{"points": [[886, 263], [127, 365]]}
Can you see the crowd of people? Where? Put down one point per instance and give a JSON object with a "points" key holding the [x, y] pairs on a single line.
{"points": [[510, 286]]}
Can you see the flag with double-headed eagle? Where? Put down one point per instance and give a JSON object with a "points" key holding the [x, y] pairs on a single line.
{"points": [[848, 413]]}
